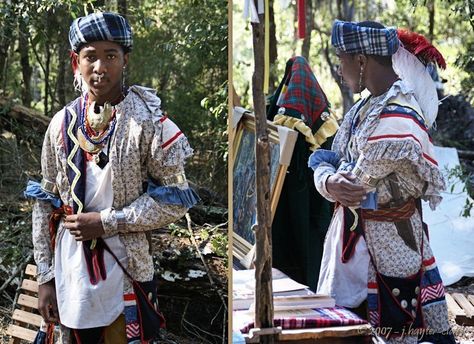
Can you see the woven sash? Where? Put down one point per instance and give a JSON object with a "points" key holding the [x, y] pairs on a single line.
{"points": [[395, 214]]}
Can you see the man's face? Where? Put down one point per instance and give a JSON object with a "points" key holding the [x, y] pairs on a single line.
{"points": [[349, 69], [101, 65]]}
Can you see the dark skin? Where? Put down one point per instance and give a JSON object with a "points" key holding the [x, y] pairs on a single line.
{"points": [[101, 65], [377, 78]]}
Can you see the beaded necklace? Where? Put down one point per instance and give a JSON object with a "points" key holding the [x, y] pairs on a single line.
{"points": [[95, 138]]}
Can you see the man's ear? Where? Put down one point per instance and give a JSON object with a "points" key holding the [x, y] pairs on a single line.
{"points": [[362, 59], [74, 61], [125, 60]]}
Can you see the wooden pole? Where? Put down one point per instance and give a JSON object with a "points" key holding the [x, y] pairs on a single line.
{"points": [[263, 262]]}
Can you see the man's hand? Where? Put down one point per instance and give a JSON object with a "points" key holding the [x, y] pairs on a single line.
{"points": [[47, 304], [84, 226], [343, 188]]}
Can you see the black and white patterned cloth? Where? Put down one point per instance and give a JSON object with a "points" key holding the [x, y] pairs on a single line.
{"points": [[101, 26], [351, 37]]}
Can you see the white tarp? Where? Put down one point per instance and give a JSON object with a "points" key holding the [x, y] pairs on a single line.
{"points": [[451, 235]]}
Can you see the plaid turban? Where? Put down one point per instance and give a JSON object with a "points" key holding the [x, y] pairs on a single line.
{"points": [[102, 26], [350, 37]]}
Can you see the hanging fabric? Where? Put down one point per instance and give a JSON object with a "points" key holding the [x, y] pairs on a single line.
{"points": [[250, 10], [301, 19]]}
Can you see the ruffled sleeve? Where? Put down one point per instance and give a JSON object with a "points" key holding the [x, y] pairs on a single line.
{"points": [[35, 191], [399, 141]]}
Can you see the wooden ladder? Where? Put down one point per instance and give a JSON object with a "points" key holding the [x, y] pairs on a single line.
{"points": [[462, 307], [26, 320]]}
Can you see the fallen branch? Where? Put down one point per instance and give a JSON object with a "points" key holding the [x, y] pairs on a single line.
{"points": [[211, 280], [8, 297], [465, 154], [15, 272], [25, 115]]}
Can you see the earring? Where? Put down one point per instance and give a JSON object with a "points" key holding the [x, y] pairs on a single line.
{"points": [[360, 80], [123, 80], [77, 82]]}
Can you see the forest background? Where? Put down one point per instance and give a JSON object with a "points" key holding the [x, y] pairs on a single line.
{"points": [[448, 24], [180, 49]]}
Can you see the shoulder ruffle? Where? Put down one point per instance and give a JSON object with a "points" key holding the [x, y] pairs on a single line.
{"points": [[169, 144], [150, 99], [412, 148]]}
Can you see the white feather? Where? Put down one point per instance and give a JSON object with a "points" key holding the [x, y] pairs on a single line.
{"points": [[79, 83], [416, 75]]}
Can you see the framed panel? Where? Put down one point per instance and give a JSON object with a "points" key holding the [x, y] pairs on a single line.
{"points": [[282, 141]]}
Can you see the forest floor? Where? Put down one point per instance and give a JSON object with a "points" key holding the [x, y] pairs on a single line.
{"points": [[192, 283]]}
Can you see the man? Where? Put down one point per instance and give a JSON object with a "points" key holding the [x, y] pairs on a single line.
{"points": [[377, 254], [113, 169]]}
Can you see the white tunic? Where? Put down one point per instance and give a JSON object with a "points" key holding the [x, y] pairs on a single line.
{"points": [[81, 304], [346, 283]]}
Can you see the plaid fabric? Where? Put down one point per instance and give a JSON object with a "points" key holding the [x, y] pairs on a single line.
{"points": [[352, 38], [101, 26], [326, 317], [302, 92]]}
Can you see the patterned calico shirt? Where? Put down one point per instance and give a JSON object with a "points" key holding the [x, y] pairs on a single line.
{"points": [[146, 144], [382, 136]]}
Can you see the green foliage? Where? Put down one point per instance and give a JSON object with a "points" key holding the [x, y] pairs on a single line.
{"points": [[219, 244], [453, 30], [217, 238], [180, 49], [178, 231], [458, 175], [209, 165], [465, 61]]}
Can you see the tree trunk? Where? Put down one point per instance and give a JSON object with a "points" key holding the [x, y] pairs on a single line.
{"points": [[6, 31], [309, 29], [62, 81], [346, 13], [4, 45], [23, 47], [339, 9], [26, 116], [346, 93], [345, 10], [122, 7], [295, 30], [273, 50], [263, 262], [431, 11], [47, 45]]}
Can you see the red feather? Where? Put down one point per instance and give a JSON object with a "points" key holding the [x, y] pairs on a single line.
{"points": [[419, 46]]}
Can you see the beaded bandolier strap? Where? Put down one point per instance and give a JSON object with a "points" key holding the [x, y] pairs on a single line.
{"points": [[76, 167]]}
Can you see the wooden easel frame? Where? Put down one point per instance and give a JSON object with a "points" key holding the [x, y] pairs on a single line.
{"points": [[243, 250]]}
